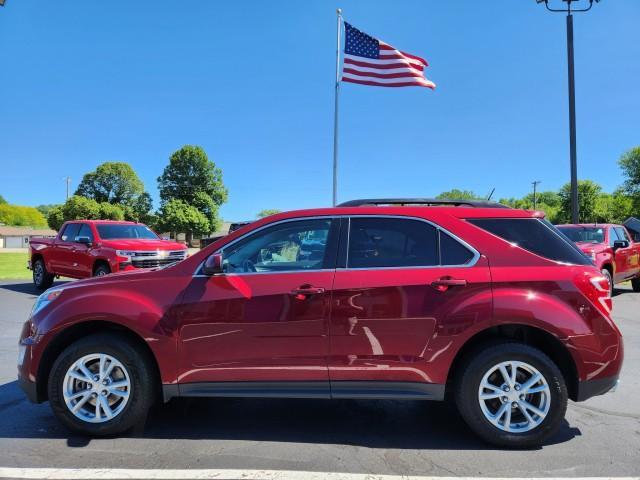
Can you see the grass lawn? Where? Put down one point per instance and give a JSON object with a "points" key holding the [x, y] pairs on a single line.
{"points": [[13, 266]]}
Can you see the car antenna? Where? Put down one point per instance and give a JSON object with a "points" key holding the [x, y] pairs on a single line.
{"points": [[491, 194]]}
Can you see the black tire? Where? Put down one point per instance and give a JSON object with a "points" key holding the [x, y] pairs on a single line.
{"points": [[481, 361], [42, 279], [607, 274], [141, 375], [101, 270], [635, 284]]}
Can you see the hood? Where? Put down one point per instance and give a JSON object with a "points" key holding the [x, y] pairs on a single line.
{"points": [[143, 244], [589, 247]]}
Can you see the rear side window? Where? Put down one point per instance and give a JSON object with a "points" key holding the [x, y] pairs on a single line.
{"points": [[391, 242], [535, 235], [70, 232], [453, 252]]}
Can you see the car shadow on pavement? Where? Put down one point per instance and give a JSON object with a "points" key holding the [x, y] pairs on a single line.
{"points": [[28, 287], [365, 423]]}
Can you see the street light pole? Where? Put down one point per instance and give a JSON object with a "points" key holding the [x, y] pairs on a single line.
{"points": [[573, 157]]}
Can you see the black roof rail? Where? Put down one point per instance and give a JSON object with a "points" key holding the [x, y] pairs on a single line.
{"points": [[369, 202]]}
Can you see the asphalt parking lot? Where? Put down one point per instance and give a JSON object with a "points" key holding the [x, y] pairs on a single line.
{"points": [[600, 438]]}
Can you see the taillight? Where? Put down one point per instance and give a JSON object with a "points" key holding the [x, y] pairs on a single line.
{"points": [[597, 289]]}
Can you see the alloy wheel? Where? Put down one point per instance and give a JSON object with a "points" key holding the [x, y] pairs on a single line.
{"points": [[96, 388], [514, 396]]}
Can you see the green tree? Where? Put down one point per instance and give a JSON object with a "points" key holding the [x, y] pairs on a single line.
{"points": [[2, 200], [18, 215], [178, 216], [112, 182], [588, 193], [613, 208], [55, 218], [268, 211], [456, 194], [44, 209], [630, 164], [82, 208], [196, 181]]}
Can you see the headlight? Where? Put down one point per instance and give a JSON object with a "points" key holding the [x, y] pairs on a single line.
{"points": [[45, 299], [125, 253]]}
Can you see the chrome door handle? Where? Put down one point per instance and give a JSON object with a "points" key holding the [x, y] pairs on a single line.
{"points": [[304, 292]]}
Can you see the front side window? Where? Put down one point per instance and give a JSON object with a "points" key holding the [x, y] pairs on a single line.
{"points": [[535, 235], [85, 231], [70, 232], [613, 236], [622, 234], [391, 242], [125, 231], [290, 246]]}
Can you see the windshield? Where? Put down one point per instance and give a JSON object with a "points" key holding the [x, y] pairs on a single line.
{"points": [[111, 232], [584, 234]]}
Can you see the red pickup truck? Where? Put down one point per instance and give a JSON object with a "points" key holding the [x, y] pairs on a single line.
{"points": [[611, 249], [88, 248]]}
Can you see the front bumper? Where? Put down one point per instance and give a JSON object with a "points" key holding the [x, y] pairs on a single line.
{"points": [[592, 388], [29, 388]]}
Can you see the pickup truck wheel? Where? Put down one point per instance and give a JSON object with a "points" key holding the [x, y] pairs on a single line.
{"points": [[101, 271], [635, 284], [41, 278], [101, 385], [607, 275], [511, 394]]}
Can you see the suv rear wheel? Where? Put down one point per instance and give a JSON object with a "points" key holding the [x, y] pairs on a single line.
{"points": [[101, 385], [635, 284], [511, 394]]}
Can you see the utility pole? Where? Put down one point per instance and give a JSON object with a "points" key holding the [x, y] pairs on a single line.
{"points": [[573, 161], [68, 180], [535, 184]]}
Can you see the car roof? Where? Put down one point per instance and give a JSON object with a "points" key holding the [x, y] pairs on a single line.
{"points": [[110, 222], [417, 211]]}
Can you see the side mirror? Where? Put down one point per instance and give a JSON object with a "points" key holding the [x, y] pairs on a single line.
{"points": [[84, 240], [620, 244], [213, 265]]}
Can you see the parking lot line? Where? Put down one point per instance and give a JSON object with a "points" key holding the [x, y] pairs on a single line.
{"points": [[230, 474]]}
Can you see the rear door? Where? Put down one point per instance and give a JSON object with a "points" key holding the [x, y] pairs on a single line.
{"points": [[403, 289]]}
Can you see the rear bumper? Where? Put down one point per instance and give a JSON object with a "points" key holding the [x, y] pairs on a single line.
{"points": [[592, 388]]}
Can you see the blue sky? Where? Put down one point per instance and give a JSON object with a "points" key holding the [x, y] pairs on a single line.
{"points": [[252, 83]]}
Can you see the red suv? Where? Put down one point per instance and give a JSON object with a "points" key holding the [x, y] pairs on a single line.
{"points": [[373, 299], [611, 249]]}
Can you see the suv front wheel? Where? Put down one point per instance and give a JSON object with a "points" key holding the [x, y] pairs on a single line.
{"points": [[511, 394], [101, 385]]}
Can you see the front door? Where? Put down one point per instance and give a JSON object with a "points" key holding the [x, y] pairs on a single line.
{"points": [[626, 258], [262, 326], [61, 256], [407, 290]]}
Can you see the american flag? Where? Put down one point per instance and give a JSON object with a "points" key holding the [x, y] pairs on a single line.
{"points": [[369, 61]]}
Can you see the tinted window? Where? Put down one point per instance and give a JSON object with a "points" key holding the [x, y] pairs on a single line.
{"points": [[290, 246], [613, 236], [85, 231], [70, 232], [391, 242], [537, 236], [584, 234], [453, 252], [110, 232], [622, 234]]}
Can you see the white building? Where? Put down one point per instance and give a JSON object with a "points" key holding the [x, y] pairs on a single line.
{"points": [[19, 237]]}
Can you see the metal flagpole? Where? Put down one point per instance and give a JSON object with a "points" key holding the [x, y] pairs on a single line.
{"points": [[335, 112]]}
